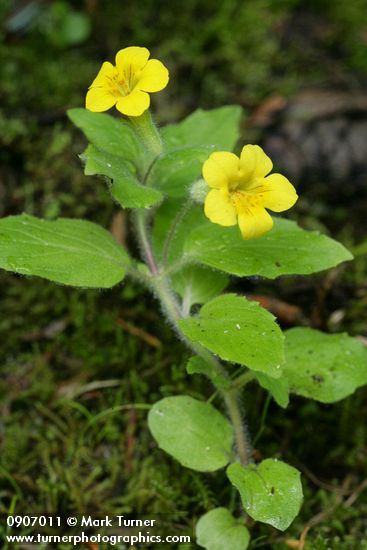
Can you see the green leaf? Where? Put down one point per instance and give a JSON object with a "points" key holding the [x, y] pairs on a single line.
{"points": [[239, 331], [271, 492], [111, 135], [286, 249], [174, 172], [218, 530], [116, 152], [325, 367], [218, 128], [278, 388], [72, 252], [197, 365], [197, 285], [165, 217], [125, 187], [192, 431]]}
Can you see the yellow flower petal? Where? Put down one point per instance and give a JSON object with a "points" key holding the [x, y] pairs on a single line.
{"points": [[133, 104], [254, 163], [219, 209], [132, 59], [219, 169], [153, 77], [99, 99], [106, 71], [254, 222], [279, 193]]}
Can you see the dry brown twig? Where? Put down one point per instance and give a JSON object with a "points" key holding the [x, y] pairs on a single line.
{"points": [[140, 333]]}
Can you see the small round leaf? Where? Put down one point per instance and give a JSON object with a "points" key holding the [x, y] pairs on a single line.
{"points": [[192, 431], [218, 529]]}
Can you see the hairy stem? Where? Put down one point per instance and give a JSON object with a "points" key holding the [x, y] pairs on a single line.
{"points": [[159, 284], [242, 380], [144, 241], [148, 132], [186, 303], [244, 447]]}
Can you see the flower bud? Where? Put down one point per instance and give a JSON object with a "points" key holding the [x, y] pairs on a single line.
{"points": [[199, 191]]}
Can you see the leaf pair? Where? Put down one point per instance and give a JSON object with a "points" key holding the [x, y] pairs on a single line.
{"points": [[138, 180], [201, 438], [115, 151], [324, 367]]}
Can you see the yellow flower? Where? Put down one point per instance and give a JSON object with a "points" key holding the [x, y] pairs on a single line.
{"points": [[126, 84], [241, 190]]}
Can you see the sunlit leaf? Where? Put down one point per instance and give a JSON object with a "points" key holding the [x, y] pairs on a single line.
{"points": [[271, 491], [239, 331], [286, 249]]}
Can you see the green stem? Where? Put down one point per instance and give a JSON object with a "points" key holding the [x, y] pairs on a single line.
{"points": [[159, 283], [148, 132], [244, 447], [144, 241], [263, 418], [186, 303], [169, 303], [160, 286], [242, 380]]}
